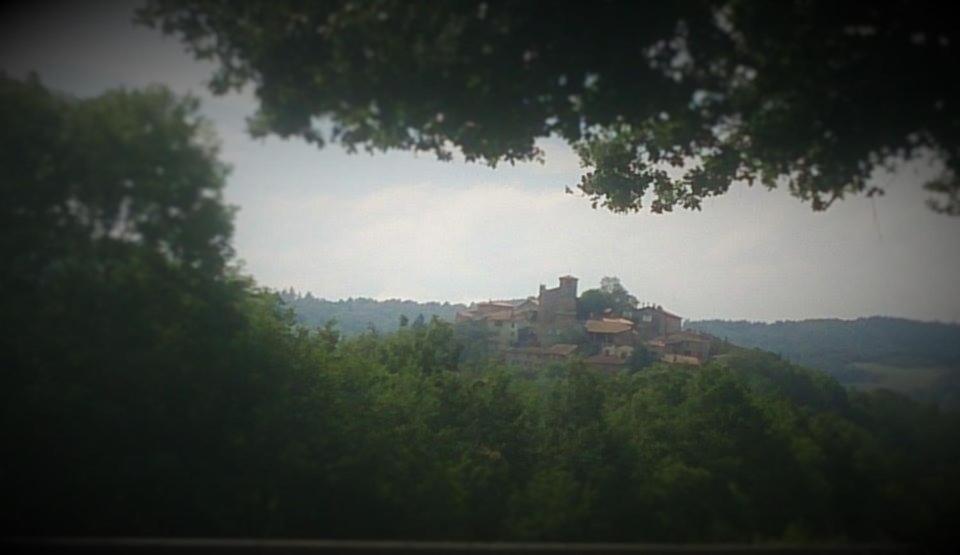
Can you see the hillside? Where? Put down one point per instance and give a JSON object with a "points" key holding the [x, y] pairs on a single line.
{"points": [[354, 316], [920, 359]]}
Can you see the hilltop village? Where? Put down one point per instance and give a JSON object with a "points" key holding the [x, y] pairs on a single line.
{"points": [[549, 328]]}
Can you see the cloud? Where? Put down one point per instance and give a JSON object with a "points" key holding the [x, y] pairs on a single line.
{"points": [[754, 254]]}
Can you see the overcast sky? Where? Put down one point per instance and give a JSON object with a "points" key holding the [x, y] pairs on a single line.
{"points": [[402, 226]]}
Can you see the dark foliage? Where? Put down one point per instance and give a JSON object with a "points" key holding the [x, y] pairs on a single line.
{"points": [[611, 296], [674, 100]]}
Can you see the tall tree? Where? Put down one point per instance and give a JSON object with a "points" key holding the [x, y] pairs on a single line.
{"points": [[125, 369], [611, 295], [676, 99]]}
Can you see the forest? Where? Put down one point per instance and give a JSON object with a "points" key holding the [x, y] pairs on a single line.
{"points": [[150, 389], [920, 359], [354, 316]]}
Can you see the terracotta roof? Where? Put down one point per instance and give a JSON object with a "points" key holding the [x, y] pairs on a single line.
{"points": [[511, 303], [608, 326], [503, 315], [660, 310], [493, 305], [679, 336]]}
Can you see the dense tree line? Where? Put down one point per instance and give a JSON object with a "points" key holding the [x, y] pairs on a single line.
{"points": [[838, 346], [354, 316], [149, 390], [830, 344]]}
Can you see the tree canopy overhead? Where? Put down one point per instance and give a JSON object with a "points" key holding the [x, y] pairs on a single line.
{"points": [[666, 103]]}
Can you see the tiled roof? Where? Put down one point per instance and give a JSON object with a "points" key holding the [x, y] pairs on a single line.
{"points": [[494, 305], [503, 315], [609, 326], [679, 336], [505, 303], [660, 310]]}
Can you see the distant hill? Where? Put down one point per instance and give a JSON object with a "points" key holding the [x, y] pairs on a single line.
{"points": [[354, 316], [921, 359]]}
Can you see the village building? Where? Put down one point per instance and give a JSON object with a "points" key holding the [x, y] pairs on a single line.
{"points": [[653, 321], [527, 309], [610, 331], [541, 330], [557, 310], [525, 316], [507, 323], [684, 347], [498, 320]]}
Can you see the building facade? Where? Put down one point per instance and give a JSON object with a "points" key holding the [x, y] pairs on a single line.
{"points": [[653, 321], [557, 310]]}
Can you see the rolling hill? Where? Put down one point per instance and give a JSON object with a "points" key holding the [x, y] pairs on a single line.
{"points": [[920, 359]]}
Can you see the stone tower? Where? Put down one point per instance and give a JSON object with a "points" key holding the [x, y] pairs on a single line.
{"points": [[557, 309]]}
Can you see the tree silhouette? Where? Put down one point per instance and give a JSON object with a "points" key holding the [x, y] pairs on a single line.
{"points": [[669, 101]]}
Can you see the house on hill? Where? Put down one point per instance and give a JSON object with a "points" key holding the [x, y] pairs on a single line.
{"points": [[556, 310], [684, 347], [498, 320], [614, 337], [543, 329], [653, 321], [608, 330]]}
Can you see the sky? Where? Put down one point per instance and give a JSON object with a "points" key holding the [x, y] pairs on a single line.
{"points": [[398, 225]]}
